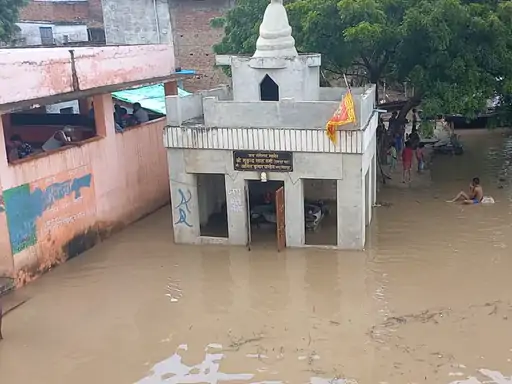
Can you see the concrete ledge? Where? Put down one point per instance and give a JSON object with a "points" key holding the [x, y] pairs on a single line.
{"points": [[266, 114], [44, 72]]}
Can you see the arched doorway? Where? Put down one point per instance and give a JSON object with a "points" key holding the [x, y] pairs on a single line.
{"points": [[269, 90]]}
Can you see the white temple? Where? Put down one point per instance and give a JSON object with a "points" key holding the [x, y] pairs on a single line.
{"points": [[229, 147]]}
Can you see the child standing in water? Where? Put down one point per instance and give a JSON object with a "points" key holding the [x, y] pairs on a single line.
{"points": [[420, 156], [407, 156], [392, 157]]}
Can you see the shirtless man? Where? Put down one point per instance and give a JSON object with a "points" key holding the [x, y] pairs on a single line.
{"points": [[475, 196]]}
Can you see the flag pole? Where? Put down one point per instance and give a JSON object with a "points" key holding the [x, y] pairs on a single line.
{"points": [[346, 82]]}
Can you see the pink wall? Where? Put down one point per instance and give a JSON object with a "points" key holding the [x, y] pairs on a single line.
{"points": [[42, 72], [41, 133], [80, 194]]}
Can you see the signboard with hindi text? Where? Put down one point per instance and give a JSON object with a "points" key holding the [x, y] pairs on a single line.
{"points": [[263, 161]]}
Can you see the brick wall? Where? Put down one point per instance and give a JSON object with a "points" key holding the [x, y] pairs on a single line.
{"points": [[54, 11], [194, 39], [135, 22], [95, 13]]}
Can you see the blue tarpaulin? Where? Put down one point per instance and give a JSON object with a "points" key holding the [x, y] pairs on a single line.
{"points": [[151, 97]]}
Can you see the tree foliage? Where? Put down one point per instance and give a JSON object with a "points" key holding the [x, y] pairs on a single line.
{"points": [[9, 13], [456, 54]]}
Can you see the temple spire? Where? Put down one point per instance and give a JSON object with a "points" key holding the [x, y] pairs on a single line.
{"points": [[275, 33]]}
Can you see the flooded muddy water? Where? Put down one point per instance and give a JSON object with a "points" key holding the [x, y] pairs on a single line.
{"points": [[429, 301]]}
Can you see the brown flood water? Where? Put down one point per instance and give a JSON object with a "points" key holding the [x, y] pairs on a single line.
{"points": [[430, 301]]}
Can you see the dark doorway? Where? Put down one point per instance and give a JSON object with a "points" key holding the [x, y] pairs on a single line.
{"points": [[320, 212], [213, 216], [263, 214], [269, 90]]}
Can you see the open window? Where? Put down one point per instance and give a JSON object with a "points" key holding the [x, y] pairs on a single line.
{"points": [[269, 90], [33, 131]]}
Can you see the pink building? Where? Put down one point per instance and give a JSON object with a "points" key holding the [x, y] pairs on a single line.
{"points": [[57, 203]]}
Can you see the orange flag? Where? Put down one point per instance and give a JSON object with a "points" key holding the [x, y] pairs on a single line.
{"points": [[345, 114]]}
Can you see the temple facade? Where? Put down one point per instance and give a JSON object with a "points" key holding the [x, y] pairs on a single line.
{"points": [[252, 163]]}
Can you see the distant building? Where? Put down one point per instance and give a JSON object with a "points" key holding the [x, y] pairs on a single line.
{"points": [[184, 23], [194, 39], [60, 22]]}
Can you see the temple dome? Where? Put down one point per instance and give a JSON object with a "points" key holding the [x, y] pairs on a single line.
{"points": [[276, 38]]}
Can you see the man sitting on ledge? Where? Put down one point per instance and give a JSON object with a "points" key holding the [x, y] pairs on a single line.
{"points": [[59, 139]]}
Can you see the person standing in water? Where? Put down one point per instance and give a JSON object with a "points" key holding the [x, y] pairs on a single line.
{"points": [[407, 156], [475, 196], [392, 157], [420, 157]]}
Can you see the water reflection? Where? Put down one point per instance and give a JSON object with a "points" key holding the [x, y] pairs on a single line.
{"points": [[216, 280], [322, 288], [174, 371], [268, 280]]}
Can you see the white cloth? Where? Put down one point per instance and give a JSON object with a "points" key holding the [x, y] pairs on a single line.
{"points": [[52, 143]]}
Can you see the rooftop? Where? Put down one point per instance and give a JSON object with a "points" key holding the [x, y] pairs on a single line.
{"points": [[33, 75]]}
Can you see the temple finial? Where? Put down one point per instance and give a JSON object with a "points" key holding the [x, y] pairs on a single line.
{"points": [[276, 38]]}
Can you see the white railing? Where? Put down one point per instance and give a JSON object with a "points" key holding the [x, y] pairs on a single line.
{"points": [[264, 139], [366, 107]]}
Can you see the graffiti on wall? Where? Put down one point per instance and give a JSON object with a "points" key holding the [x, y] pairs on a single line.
{"points": [[236, 203], [183, 209], [45, 205]]}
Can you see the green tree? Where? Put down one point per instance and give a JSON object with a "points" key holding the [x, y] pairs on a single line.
{"points": [[241, 27], [456, 54], [9, 13]]}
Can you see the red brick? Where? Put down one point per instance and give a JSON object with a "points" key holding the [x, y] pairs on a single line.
{"points": [[95, 13], [194, 39], [48, 11]]}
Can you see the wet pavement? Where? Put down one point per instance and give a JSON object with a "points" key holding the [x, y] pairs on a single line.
{"points": [[429, 301]]}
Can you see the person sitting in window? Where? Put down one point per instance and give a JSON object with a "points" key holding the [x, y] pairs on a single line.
{"points": [[91, 112], [117, 124], [140, 114], [122, 118], [118, 118], [18, 149], [59, 139]]}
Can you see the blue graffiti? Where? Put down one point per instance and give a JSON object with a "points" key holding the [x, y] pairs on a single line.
{"points": [[183, 208], [23, 208]]}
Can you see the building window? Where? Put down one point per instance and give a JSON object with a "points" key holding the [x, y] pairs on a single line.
{"points": [[46, 35], [34, 131], [67, 111], [96, 35], [269, 90]]}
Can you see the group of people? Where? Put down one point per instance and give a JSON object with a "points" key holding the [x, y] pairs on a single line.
{"points": [[17, 148], [408, 147], [405, 147], [122, 119]]}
